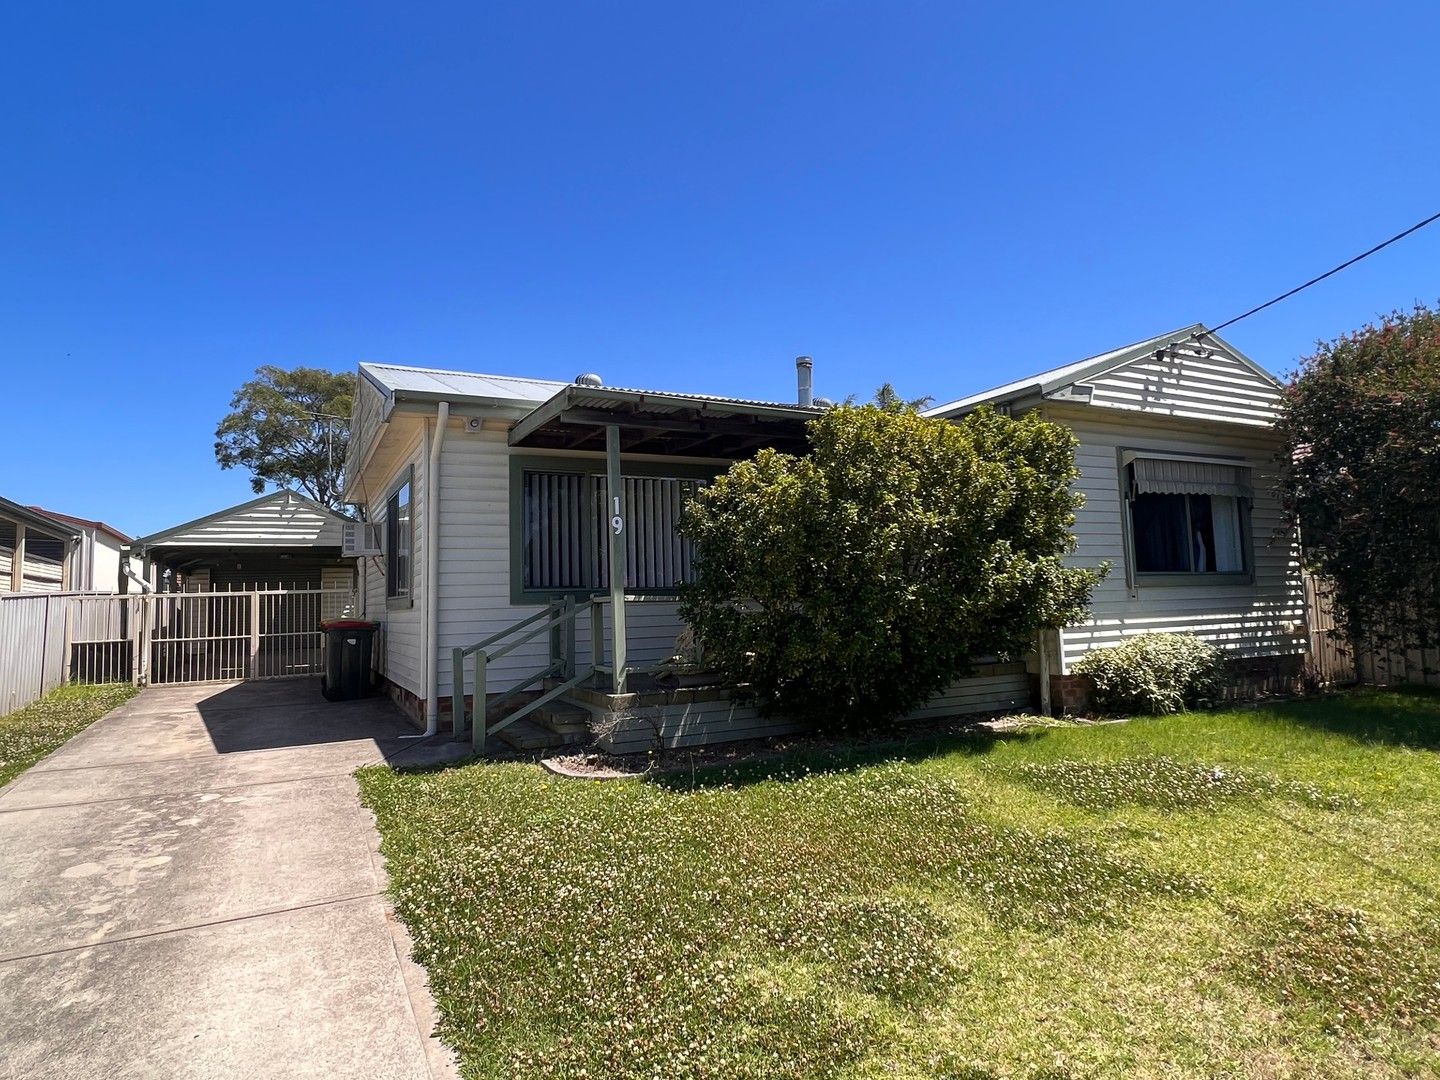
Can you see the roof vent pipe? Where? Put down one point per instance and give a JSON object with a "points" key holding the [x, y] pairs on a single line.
{"points": [[804, 373], [589, 379]]}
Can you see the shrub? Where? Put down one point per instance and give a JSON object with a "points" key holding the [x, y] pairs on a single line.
{"points": [[847, 587], [1360, 474], [1153, 673]]}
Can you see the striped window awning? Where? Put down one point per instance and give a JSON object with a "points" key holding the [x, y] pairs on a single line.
{"points": [[1174, 476]]}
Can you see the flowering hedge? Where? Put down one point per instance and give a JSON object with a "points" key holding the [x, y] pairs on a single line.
{"points": [[1361, 473], [849, 586]]}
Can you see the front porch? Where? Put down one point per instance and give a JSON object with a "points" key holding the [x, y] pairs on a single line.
{"points": [[609, 696], [591, 686]]}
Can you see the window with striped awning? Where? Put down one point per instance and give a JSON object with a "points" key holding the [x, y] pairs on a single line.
{"points": [[565, 535], [1187, 517], [1174, 476]]}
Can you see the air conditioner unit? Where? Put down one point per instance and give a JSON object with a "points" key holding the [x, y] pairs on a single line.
{"points": [[360, 538]]}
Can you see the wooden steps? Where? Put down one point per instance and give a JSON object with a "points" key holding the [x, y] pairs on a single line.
{"points": [[549, 727]]}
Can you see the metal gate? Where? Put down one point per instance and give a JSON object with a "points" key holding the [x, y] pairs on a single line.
{"points": [[169, 638]]}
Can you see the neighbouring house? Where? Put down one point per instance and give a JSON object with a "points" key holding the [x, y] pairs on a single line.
{"points": [[98, 563], [495, 505], [1177, 457], [38, 553], [282, 540]]}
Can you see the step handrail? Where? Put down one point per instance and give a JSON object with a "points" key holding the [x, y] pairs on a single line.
{"points": [[557, 619]]}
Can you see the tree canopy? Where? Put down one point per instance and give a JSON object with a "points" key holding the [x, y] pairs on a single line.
{"points": [[1360, 473], [848, 586], [290, 428]]}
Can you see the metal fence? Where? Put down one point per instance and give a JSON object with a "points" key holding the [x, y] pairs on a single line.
{"points": [[161, 638], [32, 647]]}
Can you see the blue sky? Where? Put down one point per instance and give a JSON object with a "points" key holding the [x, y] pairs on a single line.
{"points": [[673, 197]]}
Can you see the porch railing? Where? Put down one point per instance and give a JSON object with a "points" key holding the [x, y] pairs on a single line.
{"points": [[557, 620]]}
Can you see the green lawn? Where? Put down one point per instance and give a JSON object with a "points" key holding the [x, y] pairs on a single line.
{"points": [[28, 734], [1249, 893]]}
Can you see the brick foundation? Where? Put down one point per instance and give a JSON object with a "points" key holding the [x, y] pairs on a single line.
{"points": [[1070, 694], [412, 707], [1265, 676]]}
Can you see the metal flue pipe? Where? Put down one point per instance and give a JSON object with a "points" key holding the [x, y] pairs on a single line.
{"points": [[804, 380]]}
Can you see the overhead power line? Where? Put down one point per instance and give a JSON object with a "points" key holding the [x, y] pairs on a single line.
{"points": [[1329, 273]]}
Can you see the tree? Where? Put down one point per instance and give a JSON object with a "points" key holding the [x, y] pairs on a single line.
{"points": [[290, 429], [889, 399], [1360, 473], [849, 586]]}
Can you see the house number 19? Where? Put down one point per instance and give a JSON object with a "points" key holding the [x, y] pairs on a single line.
{"points": [[617, 522]]}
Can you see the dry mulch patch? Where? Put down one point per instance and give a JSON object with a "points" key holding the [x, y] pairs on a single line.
{"points": [[589, 763]]}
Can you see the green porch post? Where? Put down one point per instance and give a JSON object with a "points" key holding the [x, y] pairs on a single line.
{"points": [[616, 491]]}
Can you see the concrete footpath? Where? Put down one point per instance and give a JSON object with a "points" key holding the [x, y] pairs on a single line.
{"points": [[191, 888]]}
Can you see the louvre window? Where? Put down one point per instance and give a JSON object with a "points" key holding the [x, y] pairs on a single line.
{"points": [[1188, 517], [566, 541]]}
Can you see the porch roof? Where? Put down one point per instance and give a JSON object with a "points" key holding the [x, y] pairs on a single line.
{"points": [[653, 422]]}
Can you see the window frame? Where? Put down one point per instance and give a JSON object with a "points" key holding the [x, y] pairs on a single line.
{"points": [[393, 600], [1135, 579], [520, 464]]}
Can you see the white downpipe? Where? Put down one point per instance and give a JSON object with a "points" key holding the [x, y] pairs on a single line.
{"points": [[432, 572], [129, 572]]}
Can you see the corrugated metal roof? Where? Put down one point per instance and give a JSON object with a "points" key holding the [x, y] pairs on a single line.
{"points": [[655, 399], [395, 378], [85, 523], [40, 521], [1046, 381]]}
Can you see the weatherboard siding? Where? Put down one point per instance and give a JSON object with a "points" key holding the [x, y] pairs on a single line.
{"points": [[1185, 384], [1259, 618], [402, 648], [474, 586], [474, 567]]}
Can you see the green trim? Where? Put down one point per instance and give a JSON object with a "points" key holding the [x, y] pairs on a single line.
{"points": [[1196, 578], [395, 602], [583, 465], [1135, 579]]}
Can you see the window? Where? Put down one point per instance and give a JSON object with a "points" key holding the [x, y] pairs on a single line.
{"points": [[565, 535], [398, 532], [1187, 516]]}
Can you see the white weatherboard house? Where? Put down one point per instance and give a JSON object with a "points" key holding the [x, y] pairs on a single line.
{"points": [[496, 505], [1177, 461]]}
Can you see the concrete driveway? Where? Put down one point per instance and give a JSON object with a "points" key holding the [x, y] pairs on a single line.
{"points": [[190, 888]]}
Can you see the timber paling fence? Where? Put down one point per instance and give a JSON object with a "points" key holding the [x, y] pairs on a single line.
{"points": [[1333, 660], [48, 639]]}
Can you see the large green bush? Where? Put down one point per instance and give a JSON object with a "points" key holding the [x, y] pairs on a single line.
{"points": [[1153, 673], [1361, 474], [848, 586]]}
